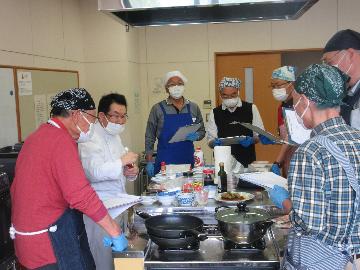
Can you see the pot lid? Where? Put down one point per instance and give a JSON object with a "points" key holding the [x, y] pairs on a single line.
{"points": [[242, 215]]}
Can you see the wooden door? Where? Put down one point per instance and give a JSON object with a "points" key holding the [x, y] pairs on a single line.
{"points": [[233, 65]]}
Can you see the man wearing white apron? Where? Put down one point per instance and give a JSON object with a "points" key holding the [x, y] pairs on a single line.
{"points": [[104, 159]]}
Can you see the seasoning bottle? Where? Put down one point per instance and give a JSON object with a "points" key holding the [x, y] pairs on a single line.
{"points": [[198, 157], [222, 177], [207, 178], [188, 182], [163, 168]]}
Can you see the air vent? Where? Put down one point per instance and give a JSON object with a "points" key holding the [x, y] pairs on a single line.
{"points": [[169, 12]]}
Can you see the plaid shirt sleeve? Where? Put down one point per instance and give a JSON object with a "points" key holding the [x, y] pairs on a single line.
{"points": [[307, 184]]}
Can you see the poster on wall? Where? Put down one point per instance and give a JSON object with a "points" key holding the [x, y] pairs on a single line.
{"points": [[40, 110], [158, 85], [49, 98], [24, 83]]}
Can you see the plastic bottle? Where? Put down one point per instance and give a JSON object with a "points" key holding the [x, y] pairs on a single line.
{"points": [[163, 168], [198, 157]]}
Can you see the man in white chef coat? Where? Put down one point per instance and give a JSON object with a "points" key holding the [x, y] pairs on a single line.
{"points": [[102, 158]]}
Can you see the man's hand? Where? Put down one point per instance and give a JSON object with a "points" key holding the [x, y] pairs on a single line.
{"points": [[278, 195], [217, 142], [129, 158], [247, 141], [193, 136], [117, 243], [150, 168], [265, 140], [133, 171]]}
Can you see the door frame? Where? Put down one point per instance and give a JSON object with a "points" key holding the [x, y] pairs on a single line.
{"points": [[216, 54]]}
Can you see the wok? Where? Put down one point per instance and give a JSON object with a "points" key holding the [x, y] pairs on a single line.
{"points": [[173, 226]]}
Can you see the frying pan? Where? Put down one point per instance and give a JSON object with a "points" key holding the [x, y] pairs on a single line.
{"points": [[180, 243], [173, 226]]}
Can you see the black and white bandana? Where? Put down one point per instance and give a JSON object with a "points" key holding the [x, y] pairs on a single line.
{"points": [[229, 82], [73, 99]]}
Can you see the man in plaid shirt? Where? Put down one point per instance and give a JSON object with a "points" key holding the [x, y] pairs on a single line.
{"points": [[320, 197]]}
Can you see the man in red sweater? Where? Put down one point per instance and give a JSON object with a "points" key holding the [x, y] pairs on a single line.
{"points": [[50, 191]]}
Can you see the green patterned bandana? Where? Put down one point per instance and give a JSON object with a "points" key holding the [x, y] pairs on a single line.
{"points": [[323, 84]]}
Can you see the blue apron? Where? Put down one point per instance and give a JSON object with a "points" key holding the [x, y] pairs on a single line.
{"points": [[70, 242], [174, 153]]}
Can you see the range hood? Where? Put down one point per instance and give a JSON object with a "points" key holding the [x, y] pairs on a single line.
{"points": [[172, 12]]}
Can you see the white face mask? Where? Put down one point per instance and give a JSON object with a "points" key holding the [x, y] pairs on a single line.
{"points": [[300, 118], [176, 91], [85, 136], [113, 128], [231, 102], [338, 63], [280, 94]]}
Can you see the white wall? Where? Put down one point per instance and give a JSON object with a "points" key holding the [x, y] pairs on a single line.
{"points": [[41, 33], [111, 65], [72, 34], [191, 48]]}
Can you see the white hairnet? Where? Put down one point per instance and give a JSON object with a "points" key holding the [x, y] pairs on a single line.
{"points": [[171, 74]]}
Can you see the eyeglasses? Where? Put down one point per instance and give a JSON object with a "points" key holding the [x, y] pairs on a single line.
{"points": [[174, 84], [118, 117], [279, 85], [94, 116], [329, 61]]}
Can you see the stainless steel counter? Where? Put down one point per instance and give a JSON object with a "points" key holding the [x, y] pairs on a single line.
{"points": [[211, 252]]}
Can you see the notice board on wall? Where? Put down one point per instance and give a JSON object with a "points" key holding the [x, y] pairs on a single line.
{"points": [[35, 89]]}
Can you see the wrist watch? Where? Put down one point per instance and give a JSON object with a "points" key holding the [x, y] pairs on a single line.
{"points": [[277, 163]]}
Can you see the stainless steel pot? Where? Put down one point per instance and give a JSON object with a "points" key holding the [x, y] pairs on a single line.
{"points": [[242, 225]]}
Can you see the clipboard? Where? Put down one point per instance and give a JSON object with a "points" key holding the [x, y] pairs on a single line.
{"points": [[182, 132], [227, 141], [297, 134], [265, 133], [265, 179]]}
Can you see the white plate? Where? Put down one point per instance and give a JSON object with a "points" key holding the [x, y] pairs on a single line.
{"points": [[247, 197], [261, 161], [159, 178]]}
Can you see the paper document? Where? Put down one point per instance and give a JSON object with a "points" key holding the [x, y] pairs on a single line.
{"points": [[264, 179], [182, 132], [120, 204], [296, 132], [227, 141], [265, 133]]}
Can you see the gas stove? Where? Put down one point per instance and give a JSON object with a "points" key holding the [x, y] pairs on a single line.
{"points": [[216, 253], [213, 253]]}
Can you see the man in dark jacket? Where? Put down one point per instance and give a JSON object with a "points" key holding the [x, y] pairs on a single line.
{"points": [[224, 121], [343, 52]]}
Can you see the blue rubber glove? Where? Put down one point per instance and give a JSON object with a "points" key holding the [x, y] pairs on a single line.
{"points": [[275, 169], [278, 194], [217, 142], [193, 136], [247, 141], [265, 140], [150, 168], [118, 243]]}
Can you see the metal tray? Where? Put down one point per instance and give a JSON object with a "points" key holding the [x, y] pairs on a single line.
{"points": [[227, 141]]}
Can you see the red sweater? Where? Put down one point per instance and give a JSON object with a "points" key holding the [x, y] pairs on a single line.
{"points": [[49, 179]]}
